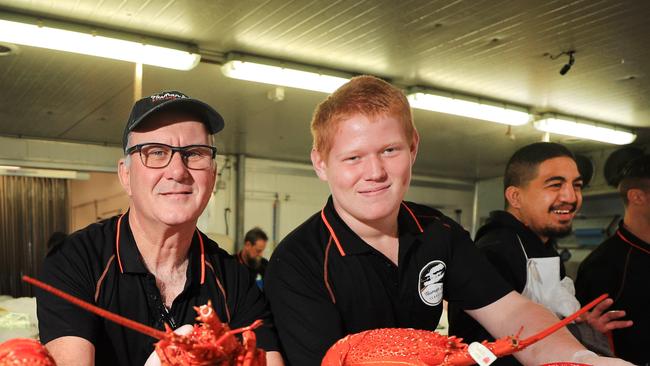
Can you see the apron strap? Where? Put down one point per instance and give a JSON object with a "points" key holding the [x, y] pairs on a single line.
{"points": [[522, 247]]}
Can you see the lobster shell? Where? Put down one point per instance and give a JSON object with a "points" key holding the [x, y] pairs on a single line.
{"points": [[211, 342], [24, 351], [414, 347]]}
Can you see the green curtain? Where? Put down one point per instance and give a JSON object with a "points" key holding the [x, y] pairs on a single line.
{"points": [[31, 210]]}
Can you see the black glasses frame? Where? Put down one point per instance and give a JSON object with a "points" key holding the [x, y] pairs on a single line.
{"points": [[182, 150]]}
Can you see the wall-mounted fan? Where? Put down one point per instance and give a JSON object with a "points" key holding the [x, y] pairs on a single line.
{"points": [[586, 168]]}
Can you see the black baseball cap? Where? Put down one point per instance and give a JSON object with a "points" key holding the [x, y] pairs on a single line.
{"points": [[171, 100], [638, 167]]}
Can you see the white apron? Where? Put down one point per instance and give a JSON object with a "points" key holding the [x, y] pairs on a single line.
{"points": [[544, 287]]}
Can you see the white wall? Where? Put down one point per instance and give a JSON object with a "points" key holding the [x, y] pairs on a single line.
{"points": [[489, 197], [278, 196]]}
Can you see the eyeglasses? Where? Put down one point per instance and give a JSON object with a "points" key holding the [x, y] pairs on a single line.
{"points": [[156, 156]]}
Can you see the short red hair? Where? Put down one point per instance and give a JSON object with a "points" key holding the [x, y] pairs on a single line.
{"points": [[365, 95]]}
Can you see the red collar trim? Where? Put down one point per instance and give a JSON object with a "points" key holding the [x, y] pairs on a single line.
{"points": [[413, 216], [117, 243], [332, 233], [202, 256], [620, 235], [336, 239]]}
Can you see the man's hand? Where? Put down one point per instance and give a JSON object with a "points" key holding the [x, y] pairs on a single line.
{"points": [[604, 321], [153, 359]]}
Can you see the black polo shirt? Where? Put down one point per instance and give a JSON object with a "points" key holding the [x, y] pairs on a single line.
{"points": [[96, 267], [324, 282], [620, 266]]}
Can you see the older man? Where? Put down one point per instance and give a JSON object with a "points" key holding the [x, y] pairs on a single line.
{"points": [[151, 264]]}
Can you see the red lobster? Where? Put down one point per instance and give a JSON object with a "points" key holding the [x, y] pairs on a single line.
{"points": [[211, 342], [24, 351], [399, 346]]}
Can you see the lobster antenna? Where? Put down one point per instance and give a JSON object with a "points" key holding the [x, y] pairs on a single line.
{"points": [[152, 332], [534, 338]]}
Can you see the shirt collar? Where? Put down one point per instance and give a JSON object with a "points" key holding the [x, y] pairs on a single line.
{"points": [[632, 239], [348, 242], [505, 218]]}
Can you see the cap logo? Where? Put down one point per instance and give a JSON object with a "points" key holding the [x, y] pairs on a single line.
{"points": [[430, 282], [167, 96]]}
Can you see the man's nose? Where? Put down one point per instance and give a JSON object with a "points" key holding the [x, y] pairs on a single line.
{"points": [[569, 193], [375, 169], [176, 166]]}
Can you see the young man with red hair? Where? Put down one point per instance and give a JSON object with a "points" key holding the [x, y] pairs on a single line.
{"points": [[370, 260]]}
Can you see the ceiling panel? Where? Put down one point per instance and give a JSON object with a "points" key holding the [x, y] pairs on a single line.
{"points": [[497, 49]]}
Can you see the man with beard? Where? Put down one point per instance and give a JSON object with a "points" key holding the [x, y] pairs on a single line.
{"points": [[251, 254], [542, 188]]}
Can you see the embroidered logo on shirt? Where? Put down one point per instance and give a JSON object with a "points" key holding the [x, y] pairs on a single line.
{"points": [[430, 282]]}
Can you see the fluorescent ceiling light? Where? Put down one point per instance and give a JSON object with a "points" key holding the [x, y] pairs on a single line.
{"points": [[262, 72], [9, 167], [95, 42], [469, 107], [586, 130]]}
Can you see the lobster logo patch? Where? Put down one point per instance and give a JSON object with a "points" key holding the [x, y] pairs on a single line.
{"points": [[430, 282]]}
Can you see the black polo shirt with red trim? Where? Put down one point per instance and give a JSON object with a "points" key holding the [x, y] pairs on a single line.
{"points": [[92, 265], [620, 266], [324, 281]]}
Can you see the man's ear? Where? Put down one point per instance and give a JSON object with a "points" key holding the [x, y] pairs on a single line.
{"points": [[319, 164], [637, 196], [415, 143], [123, 174], [513, 196]]}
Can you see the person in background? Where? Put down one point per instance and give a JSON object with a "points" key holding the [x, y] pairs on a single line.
{"points": [[620, 265], [151, 264], [371, 260], [250, 255], [543, 193]]}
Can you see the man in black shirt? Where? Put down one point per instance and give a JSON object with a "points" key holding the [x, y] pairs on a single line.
{"points": [[371, 260], [543, 192], [152, 264], [620, 266], [250, 255]]}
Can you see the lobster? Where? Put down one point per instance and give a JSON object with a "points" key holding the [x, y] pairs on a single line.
{"points": [[24, 351], [407, 346], [210, 342]]}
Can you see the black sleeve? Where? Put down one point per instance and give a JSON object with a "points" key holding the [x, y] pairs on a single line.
{"points": [[596, 277], [308, 322], [505, 257], [249, 304], [472, 281], [68, 269]]}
